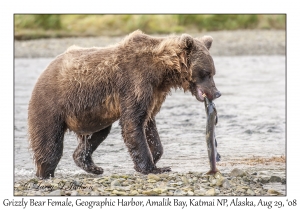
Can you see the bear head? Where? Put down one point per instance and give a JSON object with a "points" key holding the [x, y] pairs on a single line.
{"points": [[195, 57]]}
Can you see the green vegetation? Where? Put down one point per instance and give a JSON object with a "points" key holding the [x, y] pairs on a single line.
{"points": [[45, 25]]}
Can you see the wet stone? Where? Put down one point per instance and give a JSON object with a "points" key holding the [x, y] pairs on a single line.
{"points": [[150, 192], [116, 192], [94, 193], [200, 192], [210, 192], [265, 179], [57, 192], [185, 180], [179, 192], [153, 177], [226, 184], [250, 192], [213, 183], [115, 183], [237, 173], [275, 179], [273, 192], [190, 193], [133, 192], [220, 181]]}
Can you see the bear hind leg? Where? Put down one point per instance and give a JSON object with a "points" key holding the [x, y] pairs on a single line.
{"points": [[46, 143], [87, 145]]}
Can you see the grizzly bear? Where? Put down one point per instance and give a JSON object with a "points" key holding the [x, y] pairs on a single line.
{"points": [[85, 90]]}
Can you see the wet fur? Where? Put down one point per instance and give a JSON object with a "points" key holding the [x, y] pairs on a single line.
{"points": [[85, 90]]}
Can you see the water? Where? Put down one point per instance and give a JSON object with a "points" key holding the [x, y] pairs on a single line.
{"points": [[251, 123]]}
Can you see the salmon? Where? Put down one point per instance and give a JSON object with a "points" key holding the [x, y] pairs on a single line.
{"points": [[212, 120]]}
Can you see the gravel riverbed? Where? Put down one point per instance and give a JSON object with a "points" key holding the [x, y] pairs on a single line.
{"points": [[236, 183], [251, 142]]}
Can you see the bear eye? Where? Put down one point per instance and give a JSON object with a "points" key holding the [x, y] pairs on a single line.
{"points": [[204, 73]]}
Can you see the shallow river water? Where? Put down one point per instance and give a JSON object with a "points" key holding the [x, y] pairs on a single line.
{"points": [[250, 133]]}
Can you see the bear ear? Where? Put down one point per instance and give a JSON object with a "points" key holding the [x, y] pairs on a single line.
{"points": [[186, 42], [207, 41]]}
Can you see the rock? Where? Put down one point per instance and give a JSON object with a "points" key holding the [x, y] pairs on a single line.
{"points": [[125, 183], [77, 183], [18, 194], [213, 182], [263, 173], [218, 175], [185, 180], [250, 192], [219, 182], [237, 173], [38, 193], [115, 183], [170, 193], [150, 192], [95, 193], [190, 193], [273, 192], [116, 192], [179, 192], [275, 179], [171, 188], [133, 192], [179, 183], [200, 192], [226, 184], [160, 190], [163, 175], [151, 180], [74, 193], [125, 176], [240, 189], [153, 177], [264, 179], [57, 192], [57, 181], [210, 192]]}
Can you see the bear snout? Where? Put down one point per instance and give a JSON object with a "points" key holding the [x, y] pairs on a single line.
{"points": [[217, 94]]}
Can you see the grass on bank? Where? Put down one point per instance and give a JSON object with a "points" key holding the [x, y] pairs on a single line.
{"points": [[45, 25]]}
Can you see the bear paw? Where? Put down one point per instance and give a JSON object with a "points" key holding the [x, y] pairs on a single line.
{"points": [[161, 170], [155, 170], [94, 170]]}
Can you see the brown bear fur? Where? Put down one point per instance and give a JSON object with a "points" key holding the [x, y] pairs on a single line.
{"points": [[85, 90]]}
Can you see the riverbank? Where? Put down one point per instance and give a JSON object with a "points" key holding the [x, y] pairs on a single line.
{"points": [[226, 43], [236, 183]]}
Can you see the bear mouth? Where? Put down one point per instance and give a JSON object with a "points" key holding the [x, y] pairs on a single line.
{"points": [[199, 94]]}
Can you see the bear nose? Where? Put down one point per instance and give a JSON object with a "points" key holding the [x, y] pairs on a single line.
{"points": [[217, 94]]}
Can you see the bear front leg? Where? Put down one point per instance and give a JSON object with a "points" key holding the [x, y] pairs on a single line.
{"points": [[153, 140], [135, 139]]}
